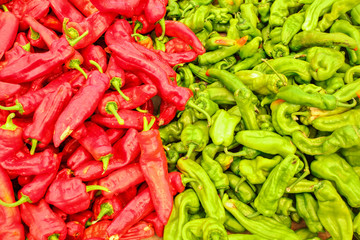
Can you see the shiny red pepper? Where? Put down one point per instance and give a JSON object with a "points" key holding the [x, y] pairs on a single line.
{"points": [[69, 193], [153, 157], [75, 230], [84, 6], [84, 217], [167, 113], [120, 29], [120, 180], [7, 90], [10, 223], [176, 45], [117, 77], [147, 107], [154, 220], [9, 25], [178, 57], [35, 39], [52, 22], [155, 10], [131, 80], [64, 9], [41, 130], [23, 180], [95, 53], [141, 24], [88, 98], [106, 208], [183, 32], [80, 156], [69, 148], [60, 213], [11, 138], [42, 221], [124, 8]]}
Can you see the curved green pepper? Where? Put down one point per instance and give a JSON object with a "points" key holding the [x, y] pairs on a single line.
{"points": [[333, 167], [170, 132], [355, 15], [200, 73], [196, 20], [301, 186], [217, 55], [249, 63], [244, 100], [173, 10], [344, 137], [332, 84], [305, 234], [333, 212], [249, 49], [217, 42], [203, 228], [285, 207], [204, 188], [307, 207], [274, 187], [292, 26], [187, 117], [219, 95], [242, 190], [246, 28], [348, 91], [223, 127], [209, 106], [232, 224], [352, 155], [264, 10], [314, 11], [280, 10], [224, 160], [233, 6], [331, 123], [195, 137]]}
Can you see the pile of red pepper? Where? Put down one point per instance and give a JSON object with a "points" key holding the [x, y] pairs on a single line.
{"points": [[81, 156]]}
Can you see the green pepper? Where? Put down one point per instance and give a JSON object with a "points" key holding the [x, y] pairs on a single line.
{"points": [[352, 155], [195, 137], [298, 95], [249, 13], [339, 7], [275, 185], [285, 207], [244, 237], [219, 95], [348, 91], [204, 188], [243, 191], [203, 35], [262, 83], [186, 75], [267, 142], [309, 116], [301, 186], [232, 224], [217, 55], [331, 123], [355, 15], [273, 45], [233, 31], [173, 10], [185, 203], [287, 66], [308, 39], [203, 228], [264, 10], [256, 170], [265, 122], [324, 62], [314, 11], [250, 62], [223, 127], [333, 212], [224, 160], [344, 137], [187, 117], [246, 152], [264, 227], [292, 26], [280, 10], [200, 73], [209, 106], [332, 84], [243, 98], [246, 28], [345, 27], [356, 224], [335, 168], [225, 64], [170, 132], [233, 6], [282, 119], [307, 208], [196, 20], [217, 42], [221, 28], [188, 5], [249, 49], [306, 234]]}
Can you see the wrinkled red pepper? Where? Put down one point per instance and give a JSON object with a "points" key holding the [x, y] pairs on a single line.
{"points": [[35, 39], [127, 148], [178, 57], [176, 45], [154, 220], [147, 107], [9, 25], [95, 53], [7, 90], [64, 9], [52, 22], [167, 113], [124, 8], [11, 138], [141, 25], [120, 29], [75, 230], [84, 6], [117, 77], [131, 80], [84, 217], [155, 10]]}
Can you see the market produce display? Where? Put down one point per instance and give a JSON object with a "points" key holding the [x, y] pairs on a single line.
{"points": [[181, 119]]}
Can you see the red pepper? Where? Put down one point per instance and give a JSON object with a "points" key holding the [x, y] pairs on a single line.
{"points": [[23, 180], [154, 220], [141, 24], [127, 149], [42, 221], [115, 134], [167, 113], [60, 213], [120, 180], [69, 193], [144, 41], [84, 6], [11, 138], [52, 22], [70, 147], [11, 226], [178, 57], [176, 45], [83, 103], [40, 132], [40, 163], [131, 60], [155, 10], [106, 208], [96, 24], [128, 195], [35, 39], [132, 119], [140, 230], [75, 230], [125, 8], [95, 53], [131, 80], [147, 107], [139, 207], [84, 217], [117, 76], [14, 54], [64, 9], [113, 101], [153, 157], [183, 32], [120, 29], [27, 103], [9, 25], [80, 156], [97, 230], [7, 90]]}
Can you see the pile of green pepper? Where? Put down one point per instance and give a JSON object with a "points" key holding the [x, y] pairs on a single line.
{"points": [[277, 140]]}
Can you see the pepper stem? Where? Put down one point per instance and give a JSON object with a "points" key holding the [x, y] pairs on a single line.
{"points": [[111, 107], [116, 82], [148, 125], [27, 47], [191, 104], [241, 181], [191, 150], [5, 8], [96, 65], [9, 125], [17, 107], [34, 143], [105, 160], [306, 171], [23, 199], [162, 24], [141, 110], [347, 105], [139, 36], [272, 68], [237, 154], [138, 25], [95, 188], [54, 237], [105, 209], [186, 180], [75, 64], [71, 33], [34, 35]]}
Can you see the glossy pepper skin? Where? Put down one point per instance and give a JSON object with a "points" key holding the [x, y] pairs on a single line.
{"points": [[242, 190], [335, 168], [204, 227], [333, 212], [89, 96], [84, 6], [120, 29], [42, 221], [223, 127], [307, 208], [11, 138], [64, 9], [207, 193], [9, 27], [343, 137], [11, 227], [95, 53], [75, 230], [195, 137], [126, 8]]}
